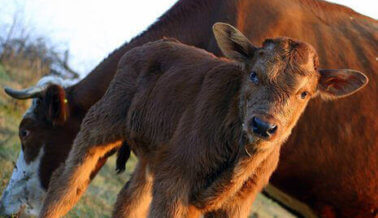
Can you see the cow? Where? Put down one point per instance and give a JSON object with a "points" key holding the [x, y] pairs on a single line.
{"points": [[24, 187], [207, 130], [339, 158]]}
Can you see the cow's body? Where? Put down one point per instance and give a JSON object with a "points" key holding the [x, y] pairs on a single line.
{"points": [[319, 156]]}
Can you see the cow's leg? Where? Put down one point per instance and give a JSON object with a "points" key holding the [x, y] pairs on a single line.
{"points": [[135, 197]]}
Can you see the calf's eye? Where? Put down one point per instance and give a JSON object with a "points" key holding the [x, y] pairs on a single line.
{"points": [[254, 77], [304, 94]]}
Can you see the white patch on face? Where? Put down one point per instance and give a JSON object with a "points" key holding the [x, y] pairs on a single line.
{"points": [[24, 190]]}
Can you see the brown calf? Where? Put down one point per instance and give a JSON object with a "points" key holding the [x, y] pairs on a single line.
{"points": [[332, 169], [207, 131]]}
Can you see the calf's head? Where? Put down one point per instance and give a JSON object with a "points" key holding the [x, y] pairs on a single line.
{"points": [[279, 80]]}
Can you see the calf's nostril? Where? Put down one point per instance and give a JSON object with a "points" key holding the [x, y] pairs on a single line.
{"points": [[273, 129], [254, 124], [257, 123]]}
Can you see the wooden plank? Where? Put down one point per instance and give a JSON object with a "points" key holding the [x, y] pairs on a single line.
{"points": [[297, 207]]}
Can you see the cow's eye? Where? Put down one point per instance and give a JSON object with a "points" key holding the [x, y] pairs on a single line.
{"points": [[254, 77], [24, 133], [38, 101], [304, 94]]}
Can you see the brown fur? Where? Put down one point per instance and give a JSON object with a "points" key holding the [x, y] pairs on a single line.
{"points": [[187, 115], [319, 156]]}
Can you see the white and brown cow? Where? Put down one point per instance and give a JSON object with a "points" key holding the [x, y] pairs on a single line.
{"points": [[27, 186]]}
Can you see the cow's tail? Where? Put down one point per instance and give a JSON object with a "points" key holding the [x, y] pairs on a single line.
{"points": [[122, 157]]}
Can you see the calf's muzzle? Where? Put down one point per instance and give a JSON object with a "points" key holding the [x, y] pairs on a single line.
{"points": [[263, 127]]}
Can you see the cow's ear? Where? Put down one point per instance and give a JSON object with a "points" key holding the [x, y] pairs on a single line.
{"points": [[340, 83], [56, 103], [232, 42]]}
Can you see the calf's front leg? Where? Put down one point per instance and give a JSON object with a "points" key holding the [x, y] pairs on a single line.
{"points": [[239, 205], [135, 197], [170, 197], [229, 182]]}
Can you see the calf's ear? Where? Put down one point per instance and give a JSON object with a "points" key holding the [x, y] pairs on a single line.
{"points": [[56, 103], [232, 42], [340, 83]]}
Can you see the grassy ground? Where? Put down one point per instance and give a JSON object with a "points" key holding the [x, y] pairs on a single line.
{"points": [[101, 195]]}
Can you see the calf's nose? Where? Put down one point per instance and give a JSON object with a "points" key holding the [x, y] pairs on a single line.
{"points": [[263, 128]]}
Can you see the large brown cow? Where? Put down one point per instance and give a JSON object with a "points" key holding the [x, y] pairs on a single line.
{"points": [[207, 130], [331, 167]]}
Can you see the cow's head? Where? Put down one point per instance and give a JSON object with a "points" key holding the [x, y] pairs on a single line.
{"points": [[46, 133], [280, 79]]}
